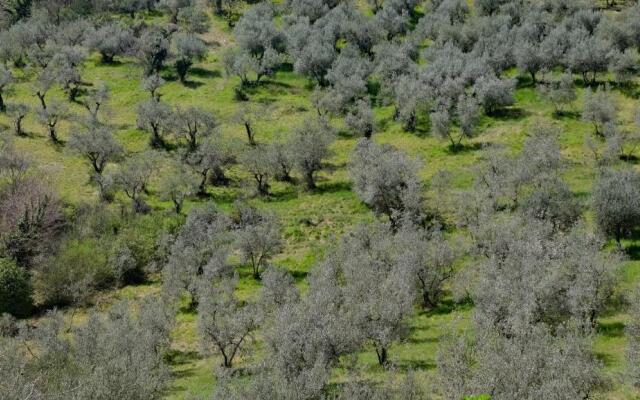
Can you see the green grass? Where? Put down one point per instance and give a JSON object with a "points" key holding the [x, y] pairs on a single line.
{"points": [[313, 220]]}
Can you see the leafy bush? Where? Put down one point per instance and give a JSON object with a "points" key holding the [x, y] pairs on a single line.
{"points": [[15, 289]]}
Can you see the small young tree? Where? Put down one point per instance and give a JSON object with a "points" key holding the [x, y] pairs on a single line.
{"points": [[177, 184], [133, 177], [96, 143], [209, 161], [18, 112], [193, 19], [156, 118], [281, 161], [247, 116], [257, 161], [224, 322], [66, 64], [309, 146], [50, 117], [194, 124], [189, 49], [151, 84], [96, 101], [257, 237]]}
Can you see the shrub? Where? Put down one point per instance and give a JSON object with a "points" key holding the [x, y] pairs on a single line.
{"points": [[15, 289]]}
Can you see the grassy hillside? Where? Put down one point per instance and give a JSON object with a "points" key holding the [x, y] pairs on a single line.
{"points": [[313, 220]]}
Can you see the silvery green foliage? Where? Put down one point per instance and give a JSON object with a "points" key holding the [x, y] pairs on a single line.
{"points": [[392, 60], [258, 237], [118, 355], [111, 40], [429, 258], [157, 118], [256, 31], [311, 9], [530, 182], [588, 54], [133, 176], [394, 16], [624, 66], [66, 64], [193, 19], [532, 364], [348, 78], [152, 84], [209, 160], [312, 49], [189, 49], [178, 184], [18, 112], [281, 161], [225, 323], [615, 202], [173, 7], [386, 179], [560, 92], [357, 28], [50, 116], [494, 93], [97, 144], [153, 50], [633, 340], [309, 147], [360, 119], [377, 291], [199, 253], [258, 162], [537, 297], [599, 108], [534, 275], [278, 289], [194, 124], [6, 80]]}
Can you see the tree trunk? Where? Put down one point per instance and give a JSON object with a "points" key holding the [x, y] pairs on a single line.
{"points": [[309, 181], [382, 355], [249, 130], [3, 107]]}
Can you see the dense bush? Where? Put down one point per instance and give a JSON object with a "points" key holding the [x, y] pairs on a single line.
{"points": [[15, 289]]}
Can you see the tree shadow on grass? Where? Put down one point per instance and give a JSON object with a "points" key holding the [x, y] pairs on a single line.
{"points": [[176, 357], [204, 73], [192, 84], [463, 148], [566, 115], [333, 187], [447, 306], [509, 114], [611, 329]]}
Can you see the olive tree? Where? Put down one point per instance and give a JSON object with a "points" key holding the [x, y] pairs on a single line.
{"points": [[194, 124], [224, 322], [386, 180], [615, 202], [177, 184], [18, 112], [309, 147], [6, 80], [97, 144], [257, 237], [189, 49], [156, 118], [50, 116], [133, 177], [599, 108], [111, 40], [198, 254]]}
